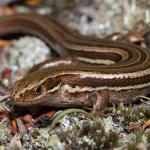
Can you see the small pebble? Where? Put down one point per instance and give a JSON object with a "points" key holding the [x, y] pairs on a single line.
{"points": [[6, 73]]}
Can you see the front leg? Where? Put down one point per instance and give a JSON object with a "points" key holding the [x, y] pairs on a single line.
{"points": [[102, 99]]}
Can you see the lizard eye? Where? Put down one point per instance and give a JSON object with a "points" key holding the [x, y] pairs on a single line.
{"points": [[38, 90]]}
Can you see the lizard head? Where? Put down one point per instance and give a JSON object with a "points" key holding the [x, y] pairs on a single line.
{"points": [[34, 88]]}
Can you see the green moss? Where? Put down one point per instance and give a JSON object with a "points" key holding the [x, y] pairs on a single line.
{"points": [[148, 138], [113, 139], [138, 139]]}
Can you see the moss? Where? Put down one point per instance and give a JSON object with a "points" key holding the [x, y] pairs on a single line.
{"points": [[130, 113], [148, 138], [138, 139], [92, 135], [34, 133], [113, 139]]}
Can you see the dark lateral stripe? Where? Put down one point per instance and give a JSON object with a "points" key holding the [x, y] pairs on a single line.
{"points": [[75, 80]]}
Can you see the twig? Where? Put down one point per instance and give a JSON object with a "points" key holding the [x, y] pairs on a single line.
{"points": [[63, 113]]}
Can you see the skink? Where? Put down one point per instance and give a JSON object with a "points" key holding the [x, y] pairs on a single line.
{"points": [[109, 72]]}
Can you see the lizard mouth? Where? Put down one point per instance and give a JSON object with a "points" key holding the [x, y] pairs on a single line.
{"points": [[25, 103], [28, 102]]}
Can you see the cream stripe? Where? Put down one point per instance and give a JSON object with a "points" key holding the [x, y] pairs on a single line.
{"points": [[90, 89], [85, 74], [54, 88], [96, 61]]}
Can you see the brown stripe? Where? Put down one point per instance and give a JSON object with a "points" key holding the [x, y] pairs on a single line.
{"points": [[75, 80]]}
